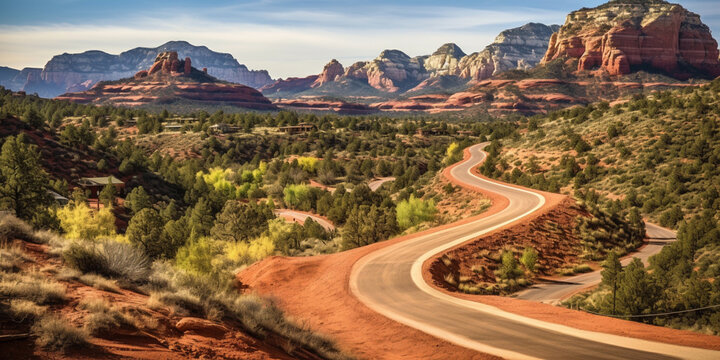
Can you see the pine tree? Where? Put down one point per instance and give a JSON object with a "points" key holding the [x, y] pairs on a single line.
{"points": [[610, 273], [145, 229], [23, 182]]}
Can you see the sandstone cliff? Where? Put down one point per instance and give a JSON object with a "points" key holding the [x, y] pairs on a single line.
{"points": [[69, 70], [518, 48], [624, 35], [171, 80]]}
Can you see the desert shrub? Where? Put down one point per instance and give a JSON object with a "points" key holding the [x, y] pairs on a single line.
{"points": [[529, 258], [21, 310], [93, 280], [78, 221], [13, 228], [248, 252], [413, 211], [54, 333], [11, 256], [34, 287], [108, 258], [197, 255], [582, 268], [102, 317]]}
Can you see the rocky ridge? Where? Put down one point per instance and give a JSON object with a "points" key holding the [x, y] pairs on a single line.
{"points": [[71, 71], [625, 35], [394, 73], [170, 80]]}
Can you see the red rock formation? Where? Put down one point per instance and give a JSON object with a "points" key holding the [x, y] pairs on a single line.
{"points": [[141, 74], [620, 35], [205, 70], [168, 80], [188, 67], [290, 85], [330, 72]]}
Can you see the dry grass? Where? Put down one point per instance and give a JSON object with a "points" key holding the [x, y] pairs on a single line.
{"points": [[93, 280], [11, 256], [54, 333], [109, 258], [103, 317], [25, 310], [33, 286]]}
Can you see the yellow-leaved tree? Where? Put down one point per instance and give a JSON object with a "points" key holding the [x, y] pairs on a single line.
{"points": [[78, 221]]}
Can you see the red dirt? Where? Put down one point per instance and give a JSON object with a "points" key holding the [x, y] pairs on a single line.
{"points": [[156, 337]]}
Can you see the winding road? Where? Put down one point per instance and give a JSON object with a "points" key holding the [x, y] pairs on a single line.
{"points": [[301, 216], [553, 291], [390, 282]]}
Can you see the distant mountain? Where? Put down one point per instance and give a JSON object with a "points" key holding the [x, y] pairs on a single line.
{"points": [[171, 81], [72, 72], [394, 73]]}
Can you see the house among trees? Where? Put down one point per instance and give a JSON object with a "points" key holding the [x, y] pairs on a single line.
{"points": [[222, 128], [297, 129], [96, 184]]}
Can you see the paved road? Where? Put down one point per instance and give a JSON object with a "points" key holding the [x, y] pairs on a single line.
{"points": [[554, 292], [390, 282], [376, 184], [301, 217]]}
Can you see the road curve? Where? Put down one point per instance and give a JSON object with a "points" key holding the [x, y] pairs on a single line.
{"points": [[376, 184], [390, 282], [300, 216], [555, 291]]}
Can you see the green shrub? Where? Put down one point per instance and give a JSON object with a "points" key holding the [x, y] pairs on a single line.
{"points": [[413, 211]]}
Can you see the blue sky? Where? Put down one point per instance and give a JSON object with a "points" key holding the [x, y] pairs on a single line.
{"points": [[286, 37]]}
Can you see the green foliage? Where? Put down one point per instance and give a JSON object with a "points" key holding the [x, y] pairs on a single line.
{"points": [[197, 255], [78, 221], [529, 258], [453, 154], [137, 200], [413, 211], [107, 195], [366, 225], [23, 182], [509, 269], [145, 230], [238, 221], [296, 196]]}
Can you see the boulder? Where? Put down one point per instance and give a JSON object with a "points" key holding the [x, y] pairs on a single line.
{"points": [[201, 327]]}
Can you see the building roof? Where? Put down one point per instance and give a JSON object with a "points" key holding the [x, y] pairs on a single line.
{"points": [[99, 181]]}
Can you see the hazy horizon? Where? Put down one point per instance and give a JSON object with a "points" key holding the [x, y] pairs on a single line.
{"points": [[283, 37]]}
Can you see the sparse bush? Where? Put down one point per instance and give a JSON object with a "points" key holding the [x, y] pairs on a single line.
{"points": [[33, 286], [54, 333], [22, 310], [109, 258], [102, 317]]}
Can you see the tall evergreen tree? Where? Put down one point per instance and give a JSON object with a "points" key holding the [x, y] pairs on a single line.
{"points": [[23, 182]]}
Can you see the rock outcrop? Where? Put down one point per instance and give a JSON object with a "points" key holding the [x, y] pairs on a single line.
{"points": [[444, 61], [391, 71], [169, 81], [518, 48], [330, 72], [67, 70], [624, 35]]}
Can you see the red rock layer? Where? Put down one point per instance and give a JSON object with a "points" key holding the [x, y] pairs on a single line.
{"points": [[660, 36], [330, 72]]}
